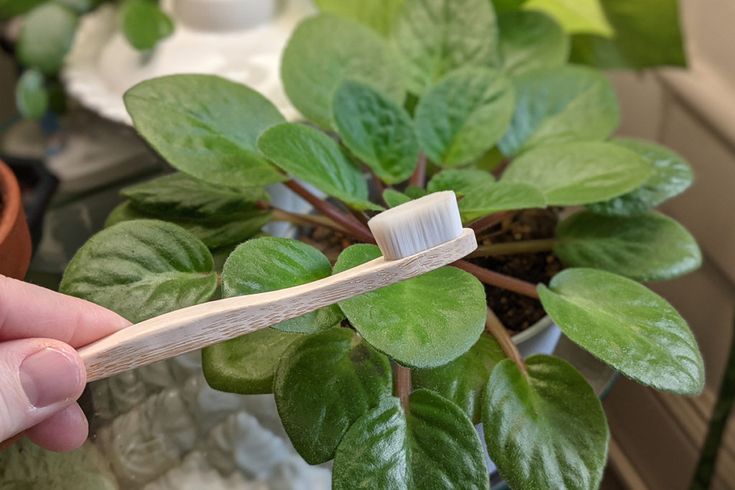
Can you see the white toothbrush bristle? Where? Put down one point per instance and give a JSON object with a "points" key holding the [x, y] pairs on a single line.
{"points": [[417, 225]]}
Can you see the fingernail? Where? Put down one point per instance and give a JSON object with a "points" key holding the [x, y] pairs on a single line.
{"points": [[49, 376]]}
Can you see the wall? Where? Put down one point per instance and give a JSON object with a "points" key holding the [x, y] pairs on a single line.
{"points": [[657, 436]]}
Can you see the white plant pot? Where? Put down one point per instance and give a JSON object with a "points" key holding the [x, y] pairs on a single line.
{"points": [[223, 15]]}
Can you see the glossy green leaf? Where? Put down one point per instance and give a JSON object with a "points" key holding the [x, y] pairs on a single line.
{"points": [[434, 445], [13, 8], [31, 96], [144, 24], [271, 263], [671, 176], [531, 41], [545, 429], [312, 156], [46, 36], [183, 196], [463, 380], [325, 51], [464, 115], [579, 173], [414, 191], [378, 14], [213, 232], [500, 196], [323, 385], [141, 269], [585, 16], [627, 326], [376, 130], [394, 198], [205, 126], [459, 180], [646, 34], [568, 103], [435, 37], [502, 6], [80, 6], [648, 247], [246, 364], [426, 321]]}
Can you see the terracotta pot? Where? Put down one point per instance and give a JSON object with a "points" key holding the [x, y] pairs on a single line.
{"points": [[15, 239]]}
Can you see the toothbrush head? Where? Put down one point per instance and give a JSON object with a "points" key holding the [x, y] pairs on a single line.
{"points": [[417, 225]]}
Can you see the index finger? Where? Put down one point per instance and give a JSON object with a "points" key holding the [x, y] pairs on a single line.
{"points": [[29, 311]]}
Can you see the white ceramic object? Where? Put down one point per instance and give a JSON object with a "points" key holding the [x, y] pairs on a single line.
{"points": [[240, 40]]}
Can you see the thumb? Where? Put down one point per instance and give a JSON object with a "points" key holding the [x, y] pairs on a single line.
{"points": [[38, 377]]}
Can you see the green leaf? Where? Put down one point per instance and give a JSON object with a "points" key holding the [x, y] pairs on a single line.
{"points": [[568, 103], [435, 37], [671, 176], [585, 16], [80, 6], [648, 247], [324, 383], [459, 180], [46, 36], [180, 195], [434, 445], [463, 380], [394, 198], [545, 429], [579, 173], [500, 196], [531, 41], [323, 52], [213, 232], [637, 42], [141, 269], [502, 6], [376, 130], [246, 364], [312, 156], [206, 127], [627, 326], [31, 95], [378, 14], [13, 8], [426, 321], [271, 263], [464, 115], [414, 191], [144, 24]]}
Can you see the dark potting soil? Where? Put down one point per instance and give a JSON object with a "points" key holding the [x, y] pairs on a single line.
{"points": [[515, 311]]}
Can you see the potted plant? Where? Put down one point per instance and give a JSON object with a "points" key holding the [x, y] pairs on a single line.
{"points": [[15, 239], [389, 385]]}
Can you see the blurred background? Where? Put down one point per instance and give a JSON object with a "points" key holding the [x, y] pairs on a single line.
{"points": [[72, 166]]}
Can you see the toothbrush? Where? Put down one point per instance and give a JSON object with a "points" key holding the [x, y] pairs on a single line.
{"points": [[415, 238]]}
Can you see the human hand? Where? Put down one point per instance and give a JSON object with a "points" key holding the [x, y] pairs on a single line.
{"points": [[41, 374]]}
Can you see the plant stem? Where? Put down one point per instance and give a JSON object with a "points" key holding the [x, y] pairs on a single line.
{"points": [[304, 219], [419, 175], [489, 221], [497, 330], [497, 279], [348, 222], [498, 171], [402, 377], [511, 248]]}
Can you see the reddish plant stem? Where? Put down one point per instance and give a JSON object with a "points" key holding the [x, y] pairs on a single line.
{"points": [[495, 328], [418, 178], [304, 219], [402, 378], [497, 279], [348, 222], [513, 248], [498, 171], [489, 221]]}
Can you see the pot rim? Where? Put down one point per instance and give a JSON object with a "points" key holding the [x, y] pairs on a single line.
{"points": [[533, 330], [11, 202]]}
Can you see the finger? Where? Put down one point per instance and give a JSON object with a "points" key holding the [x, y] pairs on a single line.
{"points": [[31, 311], [38, 377], [63, 431]]}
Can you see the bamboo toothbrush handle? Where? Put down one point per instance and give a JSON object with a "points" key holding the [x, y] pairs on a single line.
{"points": [[199, 326]]}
